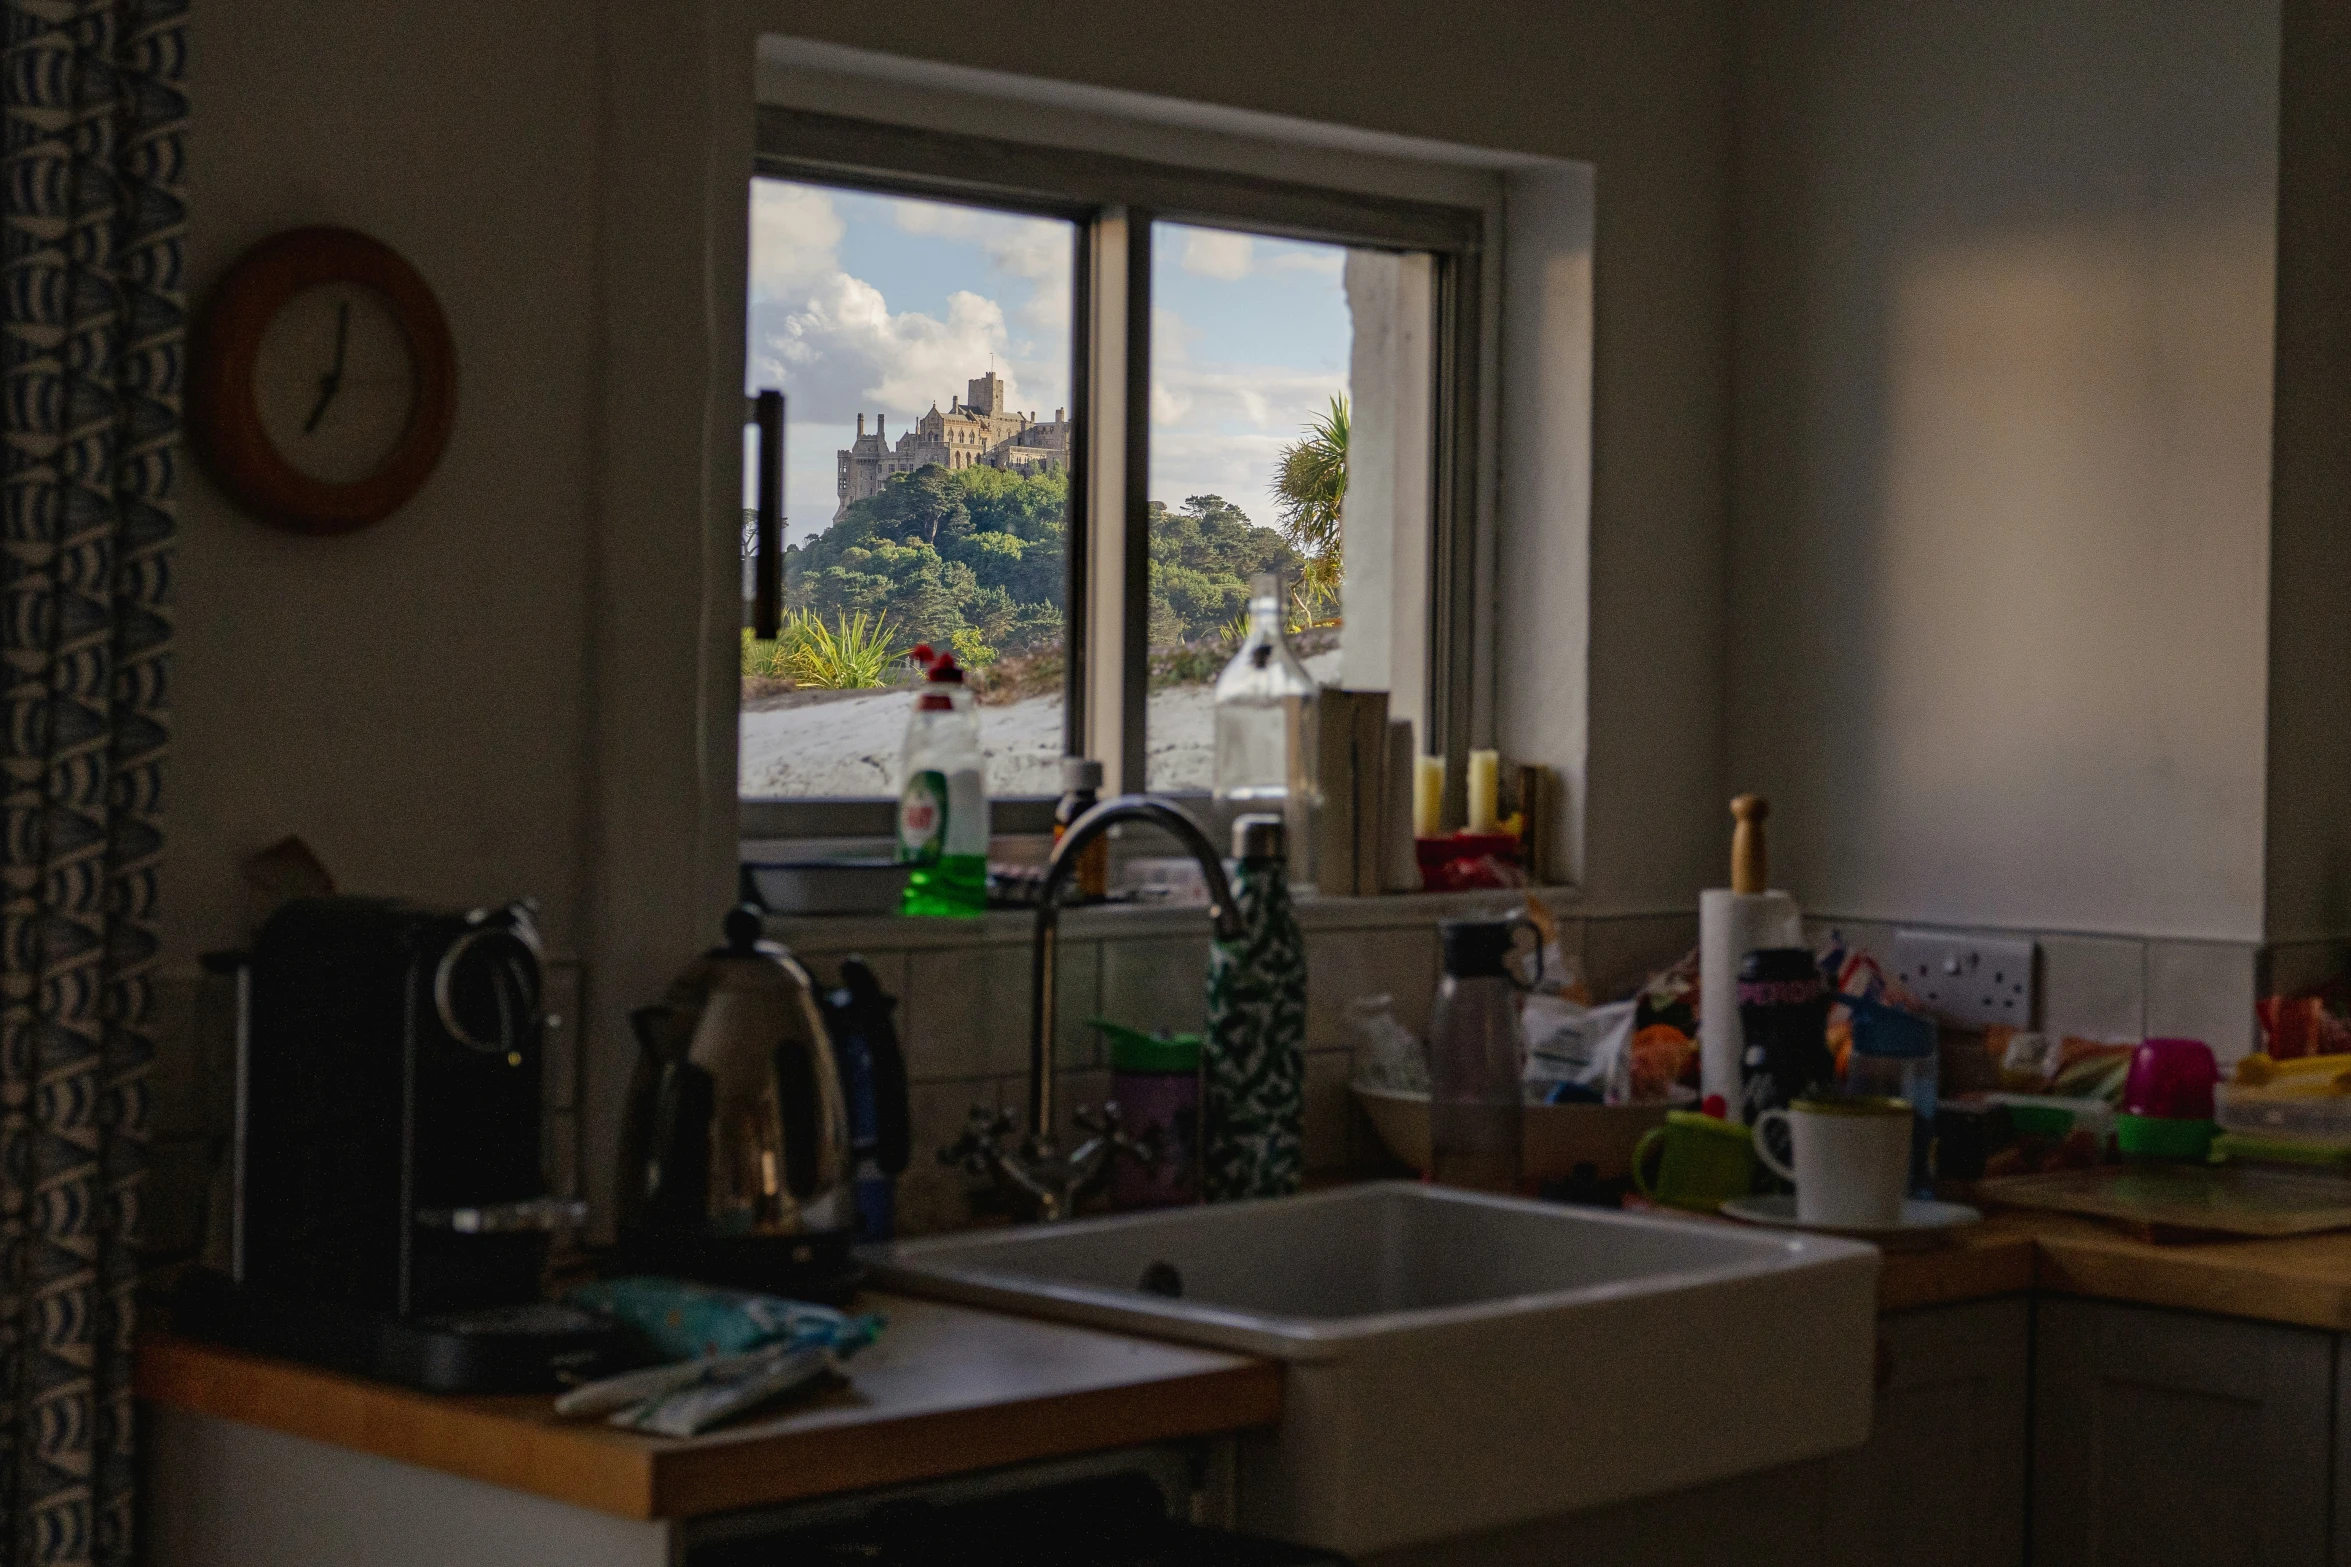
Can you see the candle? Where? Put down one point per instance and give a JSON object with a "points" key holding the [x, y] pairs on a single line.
{"points": [[1485, 787], [1428, 796]]}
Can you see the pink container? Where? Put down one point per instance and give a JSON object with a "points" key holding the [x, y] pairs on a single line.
{"points": [[2172, 1079]]}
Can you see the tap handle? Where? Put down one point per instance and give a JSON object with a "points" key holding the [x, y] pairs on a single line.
{"points": [[982, 1131]]}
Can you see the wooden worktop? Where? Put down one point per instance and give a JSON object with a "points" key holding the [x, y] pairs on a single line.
{"points": [[2305, 1282], [946, 1390]]}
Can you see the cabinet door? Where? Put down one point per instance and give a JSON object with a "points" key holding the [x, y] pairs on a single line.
{"points": [[2162, 1437], [1941, 1481]]}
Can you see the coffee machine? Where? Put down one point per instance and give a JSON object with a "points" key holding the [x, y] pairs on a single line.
{"points": [[389, 1209]]}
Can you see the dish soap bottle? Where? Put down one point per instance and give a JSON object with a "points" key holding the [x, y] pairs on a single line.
{"points": [[1253, 1060], [943, 796], [1476, 1056], [1265, 706]]}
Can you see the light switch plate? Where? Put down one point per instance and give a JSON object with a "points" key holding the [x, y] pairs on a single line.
{"points": [[1977, 981]]}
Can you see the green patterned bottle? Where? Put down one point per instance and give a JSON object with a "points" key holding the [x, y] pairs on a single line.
{"points": [[1253, 1063]]}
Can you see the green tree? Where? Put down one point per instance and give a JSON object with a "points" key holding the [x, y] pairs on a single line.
{"points": [[1310, 485]]}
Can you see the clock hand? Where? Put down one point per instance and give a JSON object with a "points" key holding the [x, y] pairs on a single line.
{"points": [[331, 382]]}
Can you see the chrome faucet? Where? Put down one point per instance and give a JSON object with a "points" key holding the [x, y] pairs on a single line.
{"points": [[1033, 1166]]}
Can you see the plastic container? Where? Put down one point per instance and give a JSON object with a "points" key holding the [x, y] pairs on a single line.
{"points": [[943, 797], [2271, 1112], [1265, 738], [2167, 1101], [1155, 1081], [1475, 1049]]}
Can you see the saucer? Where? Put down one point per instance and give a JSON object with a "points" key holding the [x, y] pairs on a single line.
{"points": [[1921, 1219]]}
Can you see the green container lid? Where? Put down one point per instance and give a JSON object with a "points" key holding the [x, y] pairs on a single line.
{"points": [[1132, 1050], [2160, 1137]]}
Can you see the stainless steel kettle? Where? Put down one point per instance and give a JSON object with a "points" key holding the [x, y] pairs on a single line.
{"points": [[737, 1133]]}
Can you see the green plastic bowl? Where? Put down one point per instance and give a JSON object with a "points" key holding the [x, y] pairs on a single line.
{"points": [[2160, 1137]]}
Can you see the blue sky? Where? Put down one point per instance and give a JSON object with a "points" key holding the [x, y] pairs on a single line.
{"points": [[884, 304]]}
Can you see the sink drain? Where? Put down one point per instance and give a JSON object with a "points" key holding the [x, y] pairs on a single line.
{"points": [[1161, 1278]]}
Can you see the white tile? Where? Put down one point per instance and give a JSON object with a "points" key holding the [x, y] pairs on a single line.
{"points": [[2094, 987], [1157, 983], [1329, 1111], [1343, 965], [1621, 953], [2202, 990], [931, 1196], [966, 1012]]}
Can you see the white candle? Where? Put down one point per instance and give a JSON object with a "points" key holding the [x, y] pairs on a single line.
{"points": [[1485, 788], [1428, 796]]}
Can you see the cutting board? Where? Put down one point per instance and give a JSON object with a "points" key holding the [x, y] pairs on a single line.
{"points": [[2184, 1202]]}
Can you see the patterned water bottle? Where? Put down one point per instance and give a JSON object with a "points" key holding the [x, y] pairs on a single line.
{"points": [[1253, 1061]]}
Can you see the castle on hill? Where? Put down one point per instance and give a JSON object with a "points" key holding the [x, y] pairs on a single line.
{"points": [[976, 429]]}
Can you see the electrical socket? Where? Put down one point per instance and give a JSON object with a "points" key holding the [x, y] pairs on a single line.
{"points": [[1972, 980]]}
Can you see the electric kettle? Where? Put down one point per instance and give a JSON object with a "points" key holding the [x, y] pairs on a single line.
{"points": [[734, 1158]]}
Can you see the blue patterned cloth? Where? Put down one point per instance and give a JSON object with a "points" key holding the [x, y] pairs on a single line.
{"points": [[92, 341]]}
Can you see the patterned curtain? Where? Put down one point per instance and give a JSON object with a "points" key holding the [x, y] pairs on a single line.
{"points": [[92, 354]]}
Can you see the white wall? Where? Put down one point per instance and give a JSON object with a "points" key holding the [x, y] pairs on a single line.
{"points": [[2003, 395], [411, 699], [518, 684]]}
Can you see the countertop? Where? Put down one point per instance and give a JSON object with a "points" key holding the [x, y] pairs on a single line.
{"points": [[946, 1390], [950, 1389], [2305, 1282]]}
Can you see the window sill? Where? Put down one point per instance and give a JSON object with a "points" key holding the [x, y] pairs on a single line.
{"points": [[1012, 927]]}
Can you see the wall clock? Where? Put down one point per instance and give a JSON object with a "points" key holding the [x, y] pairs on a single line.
{"points": [[324, 381]]}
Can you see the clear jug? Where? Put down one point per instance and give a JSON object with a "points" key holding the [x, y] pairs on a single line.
{"points": [[1476, 1057]]}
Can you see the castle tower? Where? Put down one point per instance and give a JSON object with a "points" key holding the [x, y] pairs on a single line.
{"points": [[985, 395]]}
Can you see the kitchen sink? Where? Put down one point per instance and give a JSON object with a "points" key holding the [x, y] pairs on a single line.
{"points": [[1458, 1361]]}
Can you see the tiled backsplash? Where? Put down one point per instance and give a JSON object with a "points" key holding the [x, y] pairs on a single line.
{"points": [[964, 1016], [2123, 987]]}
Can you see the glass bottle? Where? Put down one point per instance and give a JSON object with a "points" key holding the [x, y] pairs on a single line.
{"points": [[1265, 704], [1081, 791], [943, 796], [1476, 1053]]}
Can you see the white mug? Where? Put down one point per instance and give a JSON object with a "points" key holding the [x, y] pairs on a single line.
{"points": [[1852, 1159]]}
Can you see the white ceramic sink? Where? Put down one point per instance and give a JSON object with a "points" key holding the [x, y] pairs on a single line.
{"points": [[1459, 1361]]}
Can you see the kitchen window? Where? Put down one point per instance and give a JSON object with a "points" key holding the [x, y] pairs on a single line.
{"points": [[1051, 408]]}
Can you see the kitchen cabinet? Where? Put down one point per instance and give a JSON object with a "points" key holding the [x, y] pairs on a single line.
{"points": [[1941, 1481], [2164, 1437]]}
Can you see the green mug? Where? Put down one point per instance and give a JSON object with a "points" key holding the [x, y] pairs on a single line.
{"points": [[1706, 1161]]}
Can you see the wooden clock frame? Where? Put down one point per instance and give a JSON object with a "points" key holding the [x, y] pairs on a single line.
{"points": [[225, 412]]}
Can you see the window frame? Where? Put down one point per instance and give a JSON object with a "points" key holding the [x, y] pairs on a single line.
{"points": [[1116, 197]]}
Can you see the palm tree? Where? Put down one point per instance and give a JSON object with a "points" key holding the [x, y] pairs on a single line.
{"points": [[1309, 484]]}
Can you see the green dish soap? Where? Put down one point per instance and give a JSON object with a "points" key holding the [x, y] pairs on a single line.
{"points": [[1253, 1063], [943, 798]]}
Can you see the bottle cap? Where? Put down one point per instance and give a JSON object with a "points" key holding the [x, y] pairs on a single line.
{"points": [[1259, 838], [1477, 948], [1079, 773], [938, 664]]}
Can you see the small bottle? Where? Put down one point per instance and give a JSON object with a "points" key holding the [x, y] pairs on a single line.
{"points": [[1081, 791], [1476, 1055], [1265, 707], [943, 796], [1253, 1056]]}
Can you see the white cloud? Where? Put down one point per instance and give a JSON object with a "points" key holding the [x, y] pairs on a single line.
{"points": [[832, 342], [1218, 253], [1219, 426]]}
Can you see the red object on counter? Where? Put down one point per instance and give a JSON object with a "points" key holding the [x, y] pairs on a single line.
{"points": [[1465, 860]]}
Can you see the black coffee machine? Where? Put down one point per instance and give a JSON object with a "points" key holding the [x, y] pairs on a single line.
{"points": [[390, 1211]]}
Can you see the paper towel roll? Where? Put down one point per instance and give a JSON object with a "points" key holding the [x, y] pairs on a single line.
{"points": [[1731, 925]]}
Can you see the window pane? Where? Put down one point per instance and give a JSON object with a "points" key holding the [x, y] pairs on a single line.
{"points": [[923, 349], [1290, 428]]}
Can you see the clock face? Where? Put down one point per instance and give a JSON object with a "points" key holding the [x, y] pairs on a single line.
{"points": [[335, 382]]}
